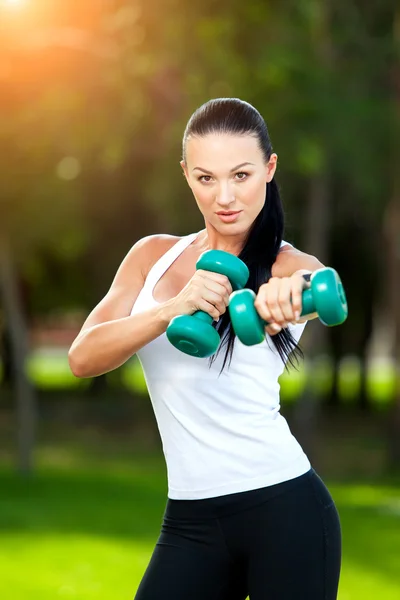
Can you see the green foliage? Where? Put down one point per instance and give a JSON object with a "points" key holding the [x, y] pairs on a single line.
{"points": [[116, 96], [132, 377], [48, 369], [383, 383]]}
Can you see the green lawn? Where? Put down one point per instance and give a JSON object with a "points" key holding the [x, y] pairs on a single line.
{"points": [[85, 530]]}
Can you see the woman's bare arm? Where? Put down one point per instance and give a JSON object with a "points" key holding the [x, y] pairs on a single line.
{"points": [[110, 335], [290, 261]]}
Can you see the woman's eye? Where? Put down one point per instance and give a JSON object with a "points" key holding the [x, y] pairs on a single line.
{"points": [[241, 176]]}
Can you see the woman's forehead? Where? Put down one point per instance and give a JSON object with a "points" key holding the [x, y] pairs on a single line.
{"points": [[227, 149]]}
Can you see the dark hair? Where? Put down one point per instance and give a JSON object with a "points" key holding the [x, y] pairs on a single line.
{"points": [[234, 116]]}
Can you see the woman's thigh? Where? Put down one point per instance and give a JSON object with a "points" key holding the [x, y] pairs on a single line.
{"points": [[293, 544], [190, 561]]}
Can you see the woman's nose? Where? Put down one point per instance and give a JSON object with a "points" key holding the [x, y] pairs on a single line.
{"points": [[225, 196]]}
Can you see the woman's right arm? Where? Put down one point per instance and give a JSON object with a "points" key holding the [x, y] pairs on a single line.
{"points": [[110, 335]]}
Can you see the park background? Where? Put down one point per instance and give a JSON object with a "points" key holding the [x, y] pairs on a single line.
{"points": [[94, 98]]}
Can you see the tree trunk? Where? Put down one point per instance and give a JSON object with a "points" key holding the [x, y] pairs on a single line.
{"points": [[392, 233], [24, 393], [317, 227], [392, 238], [318, 217]]}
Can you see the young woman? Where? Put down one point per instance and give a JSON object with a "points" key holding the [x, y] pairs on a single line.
{"points": [[246, 514]]}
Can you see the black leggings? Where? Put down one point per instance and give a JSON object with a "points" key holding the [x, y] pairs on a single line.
{"points": [[281, 542]]}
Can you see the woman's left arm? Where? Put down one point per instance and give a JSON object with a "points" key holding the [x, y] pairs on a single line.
{"points": [[279, 300]]}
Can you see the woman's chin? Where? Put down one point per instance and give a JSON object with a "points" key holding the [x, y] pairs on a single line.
{"points": [[236, 228]]}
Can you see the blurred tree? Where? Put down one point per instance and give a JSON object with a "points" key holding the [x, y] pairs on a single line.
{"points": [[94, 102], [17, 329], [392, 234], [36, 210]]}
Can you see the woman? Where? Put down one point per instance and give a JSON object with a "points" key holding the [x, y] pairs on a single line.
{"points": [[246, 514]]}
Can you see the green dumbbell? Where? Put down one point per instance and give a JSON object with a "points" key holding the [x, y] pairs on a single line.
{"points": [[194, 334], [325, 297]]}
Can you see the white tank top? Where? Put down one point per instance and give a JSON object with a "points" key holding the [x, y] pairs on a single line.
{"points": [[220, 434]]}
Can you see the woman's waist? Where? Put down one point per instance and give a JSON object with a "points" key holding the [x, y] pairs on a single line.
{"points": [[199, 459], [228, 503]]}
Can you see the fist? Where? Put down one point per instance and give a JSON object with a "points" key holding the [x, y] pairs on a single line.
{"points": [[206, 291], [279, 301]]}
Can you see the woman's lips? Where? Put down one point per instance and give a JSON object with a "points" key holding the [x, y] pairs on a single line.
{"points": [[228, 216]]}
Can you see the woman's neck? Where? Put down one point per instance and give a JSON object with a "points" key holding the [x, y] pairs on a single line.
{"points": [[211, 239]]}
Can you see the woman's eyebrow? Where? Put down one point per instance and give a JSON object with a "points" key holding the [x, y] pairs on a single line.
{"points": [[234, 168]]}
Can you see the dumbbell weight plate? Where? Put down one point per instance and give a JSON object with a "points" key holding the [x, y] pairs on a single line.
{"points": [[329, 297], [246, 322], [194, 334]]}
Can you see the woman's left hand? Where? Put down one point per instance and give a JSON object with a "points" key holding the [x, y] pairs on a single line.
{"points": [[279, 301]]}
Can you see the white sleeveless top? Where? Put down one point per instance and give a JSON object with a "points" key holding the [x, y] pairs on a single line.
{"points": [[220, 434]]}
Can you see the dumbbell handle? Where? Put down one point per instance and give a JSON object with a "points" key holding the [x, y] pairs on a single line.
{"points": [[217, 261], [307, 302], [194, 334]]}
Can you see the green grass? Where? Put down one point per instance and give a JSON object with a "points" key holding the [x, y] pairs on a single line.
{"points": [[84, 529], [82, 533]]}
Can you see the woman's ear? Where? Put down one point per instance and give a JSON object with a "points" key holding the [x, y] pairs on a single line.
{"points": [[270, 167], [185, 170]]}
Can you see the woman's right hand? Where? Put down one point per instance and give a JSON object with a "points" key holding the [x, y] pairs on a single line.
{"points": [[206, 291]]}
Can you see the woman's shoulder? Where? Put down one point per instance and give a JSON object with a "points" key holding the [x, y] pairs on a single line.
{"points": [[152, 247], [156, 241], [139, 259], [291, 259]]}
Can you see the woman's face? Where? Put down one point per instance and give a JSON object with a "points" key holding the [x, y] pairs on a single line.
{"points": [[227, 175]]}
